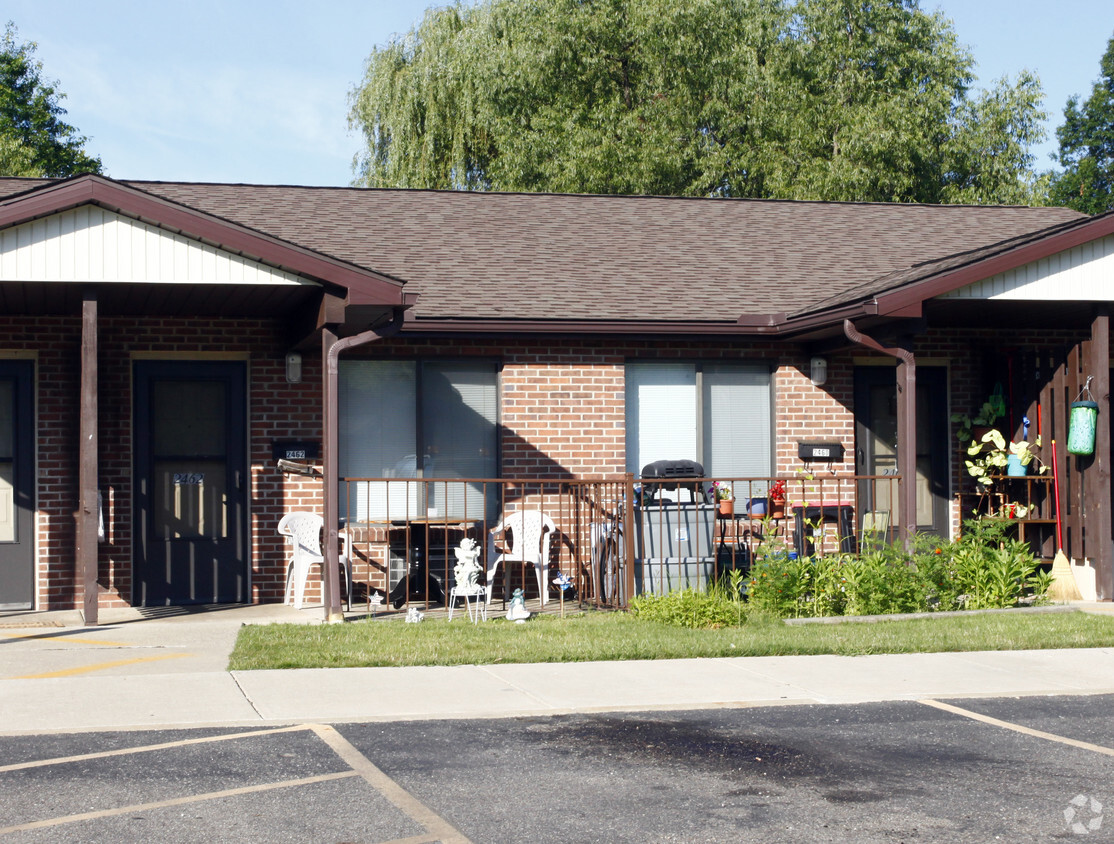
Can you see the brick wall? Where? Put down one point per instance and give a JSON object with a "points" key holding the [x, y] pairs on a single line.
{"points": [[562, 415]]}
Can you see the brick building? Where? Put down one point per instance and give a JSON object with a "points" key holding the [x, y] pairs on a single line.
{"points": [[164, 343]]}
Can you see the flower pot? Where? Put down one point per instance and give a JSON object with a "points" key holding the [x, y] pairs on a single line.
{"points": [[727, 508], [777, 509], [1014, 467], [757, 507]]}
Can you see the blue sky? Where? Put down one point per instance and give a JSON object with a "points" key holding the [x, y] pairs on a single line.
{"points": [[229, 91]]}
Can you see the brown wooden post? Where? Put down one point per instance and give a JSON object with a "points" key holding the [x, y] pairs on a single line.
{"points": [[632, 536], [87, 511], [1099, 492]]}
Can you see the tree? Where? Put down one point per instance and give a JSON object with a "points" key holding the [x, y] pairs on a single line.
{"points": [[807, 99], [34, 141], [1087, 147]]}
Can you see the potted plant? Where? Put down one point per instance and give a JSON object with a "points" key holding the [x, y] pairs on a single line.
{"points": [[777, 500], [725, 499], [977, 427]]}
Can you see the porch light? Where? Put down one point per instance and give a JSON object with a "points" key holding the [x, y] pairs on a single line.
{"points": [[818, 370], [293, 368]]}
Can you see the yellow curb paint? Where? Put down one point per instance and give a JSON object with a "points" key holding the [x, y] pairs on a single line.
{"points": [[67, 639], [100, 666], [1018, 728]]}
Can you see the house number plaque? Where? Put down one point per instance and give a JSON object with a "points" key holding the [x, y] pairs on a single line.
{"points": [[189, 478]]}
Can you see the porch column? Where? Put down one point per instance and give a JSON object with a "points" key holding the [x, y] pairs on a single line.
{"points": [[907, 438], [87, 511], [1099, 493], [331, 347]]}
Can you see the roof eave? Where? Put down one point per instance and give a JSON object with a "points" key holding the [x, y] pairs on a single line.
{"points": [[363, 285]]}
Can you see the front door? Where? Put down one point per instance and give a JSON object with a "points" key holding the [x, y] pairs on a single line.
{"points": [[876, 441], [17, 486], [191, 527]]}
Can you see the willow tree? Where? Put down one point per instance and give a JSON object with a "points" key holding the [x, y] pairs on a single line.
{"points": [[819, 99]]}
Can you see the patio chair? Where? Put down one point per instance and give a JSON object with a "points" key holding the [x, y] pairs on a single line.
{"points": [[530, 531], [303, 531]]}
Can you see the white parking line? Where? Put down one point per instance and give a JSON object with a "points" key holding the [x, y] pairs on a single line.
{"points": [[177, 801], [438, 827], [1018, 728]]}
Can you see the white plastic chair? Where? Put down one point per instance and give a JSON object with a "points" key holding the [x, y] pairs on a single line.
{"points": [[303, 532], [530, 531]]}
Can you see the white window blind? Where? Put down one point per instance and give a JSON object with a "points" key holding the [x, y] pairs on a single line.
{"points": [[737, 433], [661, 413], [416, 419], [716, 414]]}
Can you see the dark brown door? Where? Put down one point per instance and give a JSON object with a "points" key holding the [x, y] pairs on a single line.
{"points": [[190, 483], [876, 441], [17, 486]]}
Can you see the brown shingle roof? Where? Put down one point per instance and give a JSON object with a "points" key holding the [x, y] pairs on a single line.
{"points": [[552, 256]]}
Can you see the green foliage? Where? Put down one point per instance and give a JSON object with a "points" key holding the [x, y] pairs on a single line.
{"points": [[1087, 147], [982, 570], [34, 141], [812, 99], [720, 606]]}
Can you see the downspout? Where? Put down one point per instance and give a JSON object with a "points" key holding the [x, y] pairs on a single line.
{"points": [[331, 347], [906, 425]]}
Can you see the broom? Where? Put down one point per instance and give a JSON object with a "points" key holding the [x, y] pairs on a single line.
{"points": [[1064, 587]]}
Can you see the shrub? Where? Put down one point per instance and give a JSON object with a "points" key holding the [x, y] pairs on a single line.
{"points": [[983, 569], [720, 606]]}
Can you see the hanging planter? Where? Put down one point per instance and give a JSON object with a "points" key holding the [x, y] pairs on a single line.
{"points": [[1082, 422]]}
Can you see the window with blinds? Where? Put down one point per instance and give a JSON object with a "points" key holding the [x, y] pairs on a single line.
{"points": [[719, 414], [416, 419]]}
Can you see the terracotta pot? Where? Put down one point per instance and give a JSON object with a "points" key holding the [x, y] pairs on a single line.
{"points": [[727, 508], [777, 509]]}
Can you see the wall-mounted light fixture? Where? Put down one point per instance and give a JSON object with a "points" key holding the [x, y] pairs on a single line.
{"points": [[293, 368], [818, 370]]}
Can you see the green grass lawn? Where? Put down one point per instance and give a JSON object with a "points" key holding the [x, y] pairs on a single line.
{"points": [[618, 636]]}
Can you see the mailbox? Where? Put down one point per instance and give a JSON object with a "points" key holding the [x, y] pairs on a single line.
{"points": [[820, 452]]}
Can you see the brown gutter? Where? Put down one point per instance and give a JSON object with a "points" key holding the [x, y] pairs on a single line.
{"points": [[906, 426], [331, 347]]}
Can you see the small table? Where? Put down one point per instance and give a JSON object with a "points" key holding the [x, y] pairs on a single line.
{"points": [[419, 582], [839, 513]]}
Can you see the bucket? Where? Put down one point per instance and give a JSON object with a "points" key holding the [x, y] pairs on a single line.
{"points": [[1081, 427]]}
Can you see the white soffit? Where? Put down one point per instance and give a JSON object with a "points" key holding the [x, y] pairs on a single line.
{"points": [[1082, 274], [93, 244]]}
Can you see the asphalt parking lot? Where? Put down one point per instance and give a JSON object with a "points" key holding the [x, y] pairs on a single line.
{"points": [[1008, 769]]}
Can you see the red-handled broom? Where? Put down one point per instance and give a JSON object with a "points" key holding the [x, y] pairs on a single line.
{"points": [[1064, 587]]}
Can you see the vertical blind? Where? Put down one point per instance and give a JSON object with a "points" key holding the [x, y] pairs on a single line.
{"points": [[416, 419], [716, 414]]}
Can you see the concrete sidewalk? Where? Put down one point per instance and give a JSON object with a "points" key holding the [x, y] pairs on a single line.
{"points": [[136, 672]]}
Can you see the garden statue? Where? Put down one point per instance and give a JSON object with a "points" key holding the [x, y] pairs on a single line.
{"points": [[467, 569], [414, 615], [517, 611]]}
